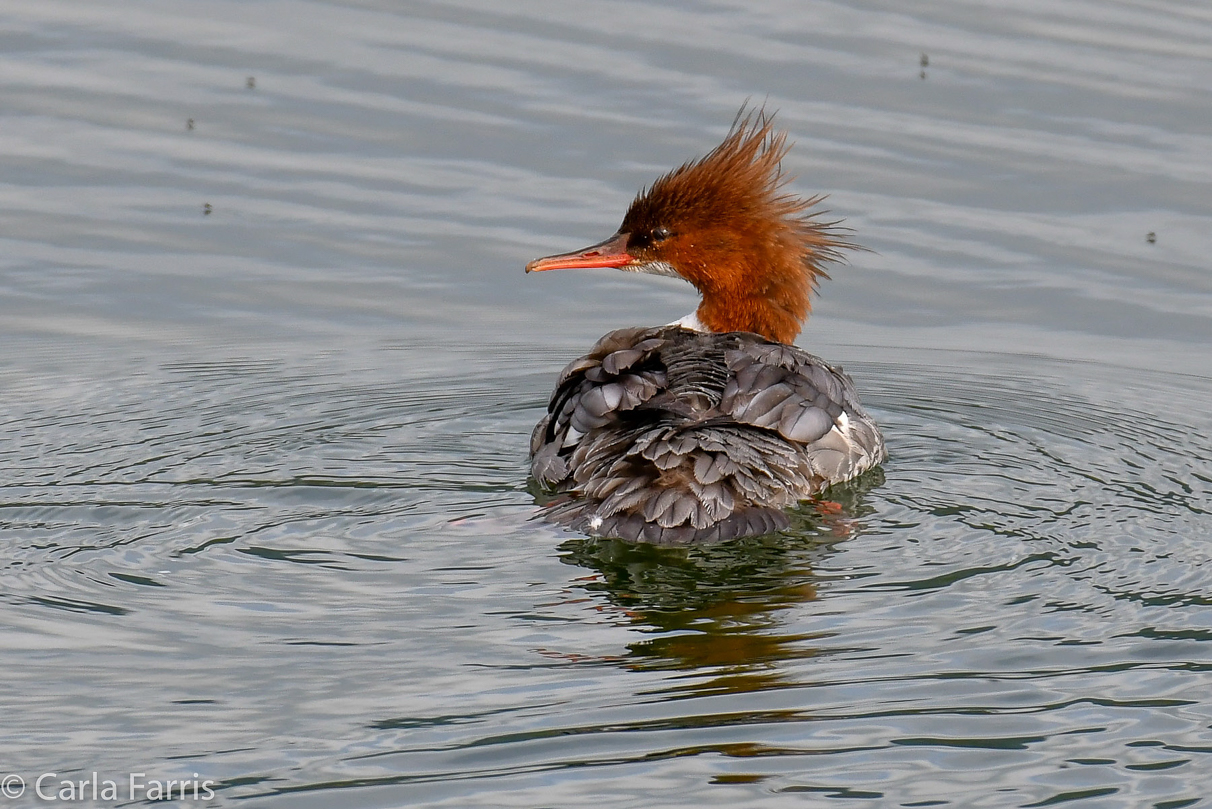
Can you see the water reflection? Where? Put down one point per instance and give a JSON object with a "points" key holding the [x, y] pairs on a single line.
{"points": [[716, 609]]}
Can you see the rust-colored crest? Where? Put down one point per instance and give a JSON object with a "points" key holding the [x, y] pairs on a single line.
{"points": [[725, 224]]}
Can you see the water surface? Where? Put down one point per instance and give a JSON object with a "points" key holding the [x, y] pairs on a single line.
{"points": [[269, 367]]}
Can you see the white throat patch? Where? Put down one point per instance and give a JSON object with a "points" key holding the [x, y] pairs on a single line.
{"points": [[653, 268]]}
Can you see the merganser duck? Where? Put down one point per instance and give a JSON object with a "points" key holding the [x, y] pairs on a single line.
{"points": [[710, 427]]}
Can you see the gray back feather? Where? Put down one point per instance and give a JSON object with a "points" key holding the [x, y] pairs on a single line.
{"points": [[672, 436]]}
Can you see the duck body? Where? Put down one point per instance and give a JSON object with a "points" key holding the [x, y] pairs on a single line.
{"points": [[707, 428], [672, 436]]}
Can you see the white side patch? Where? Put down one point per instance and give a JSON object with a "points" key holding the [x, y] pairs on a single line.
{"points": [[841, 426], [861, 458], [595, 522], [692, 322]]}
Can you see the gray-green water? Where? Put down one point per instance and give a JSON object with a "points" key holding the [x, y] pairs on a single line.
{"points": [[264, 513]]}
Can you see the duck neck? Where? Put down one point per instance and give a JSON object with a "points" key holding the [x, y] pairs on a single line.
{"points": [[777, 314]]}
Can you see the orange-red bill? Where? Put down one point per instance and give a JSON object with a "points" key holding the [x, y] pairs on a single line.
{"points": [[610, 253]]}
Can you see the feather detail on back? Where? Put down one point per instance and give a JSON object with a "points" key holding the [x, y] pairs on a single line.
{"points": [[672, 436]]}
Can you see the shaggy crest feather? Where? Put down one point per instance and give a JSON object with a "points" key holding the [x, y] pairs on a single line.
{"points": [[723, 221]]}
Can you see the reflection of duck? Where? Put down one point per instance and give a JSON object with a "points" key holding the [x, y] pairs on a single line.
{"points": [[710, 427], [715, 608]]}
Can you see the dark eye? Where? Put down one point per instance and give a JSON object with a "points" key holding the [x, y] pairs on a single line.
{"points": [[646, 238]]}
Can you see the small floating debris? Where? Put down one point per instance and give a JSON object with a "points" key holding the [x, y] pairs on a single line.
{"points": [[1151, 237], [189, 124], [251, 82], [206, 209], [925, 62]]}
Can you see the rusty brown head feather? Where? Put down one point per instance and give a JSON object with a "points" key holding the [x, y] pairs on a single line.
{"points": [[724, 224]]}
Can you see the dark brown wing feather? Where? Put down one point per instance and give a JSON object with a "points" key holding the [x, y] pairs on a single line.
{"points": [[672, 436]]}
